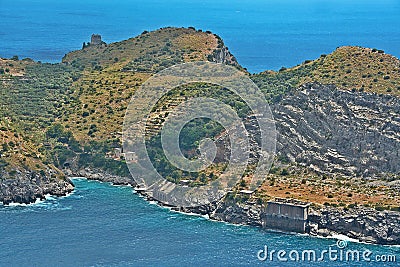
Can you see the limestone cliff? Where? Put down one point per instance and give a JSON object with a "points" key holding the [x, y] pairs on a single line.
{"points": [[339, 132]]}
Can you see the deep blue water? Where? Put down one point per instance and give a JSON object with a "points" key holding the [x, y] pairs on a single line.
{"points": [[104, 225], [261, 34]]}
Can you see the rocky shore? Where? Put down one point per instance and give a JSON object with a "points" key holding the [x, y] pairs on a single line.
{"points": [[361, 223], [27, 187], [99, 175], [364, 224]]}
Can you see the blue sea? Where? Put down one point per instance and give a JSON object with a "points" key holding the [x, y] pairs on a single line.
{"points": [[262, 34], [104, 225]]}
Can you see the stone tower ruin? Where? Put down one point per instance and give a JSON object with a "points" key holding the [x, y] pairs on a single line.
{"points": [[96, 40]]}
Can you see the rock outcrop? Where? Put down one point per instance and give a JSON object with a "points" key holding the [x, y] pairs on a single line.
{"points": [[237, 213], [27, 187], [339, 132], [364, 224], [99, 175], [360, 223]]}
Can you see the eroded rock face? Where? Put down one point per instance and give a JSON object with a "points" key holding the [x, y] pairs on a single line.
{"points": [[334, 131], [223, 55], [99, 175], [360, 223], [28, 186], [237, 213]]}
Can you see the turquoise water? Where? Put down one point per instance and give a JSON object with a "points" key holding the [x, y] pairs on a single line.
{"points": [[104, 225], [261, 34]]}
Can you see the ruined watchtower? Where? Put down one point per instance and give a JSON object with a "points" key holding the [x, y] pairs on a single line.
{"points": [[96, 40], [286, 215]]}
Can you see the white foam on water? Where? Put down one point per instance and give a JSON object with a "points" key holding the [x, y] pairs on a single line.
{"points": [[16, 204], [46, 202]]}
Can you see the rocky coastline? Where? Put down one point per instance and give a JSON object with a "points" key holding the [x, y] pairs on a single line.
{"points": [[360, 223], [99, 175], [27, 187]]}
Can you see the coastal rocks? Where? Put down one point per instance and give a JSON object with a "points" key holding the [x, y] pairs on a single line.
{"points": [[323, 232], [202, 210], [21, 189], [222, 55], [100, 175], [360, 223], [237, 213]]}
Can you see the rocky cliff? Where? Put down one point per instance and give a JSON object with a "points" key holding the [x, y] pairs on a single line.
{"points": [[339, 132], [28, 186], [360, 223]]}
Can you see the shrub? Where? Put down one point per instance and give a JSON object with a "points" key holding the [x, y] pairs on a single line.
{"points": [[284, 172], [352, 205], [395, 208]]}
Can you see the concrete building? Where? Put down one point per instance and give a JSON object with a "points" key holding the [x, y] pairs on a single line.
{"points": [[117, 152], [130, 157], [286, 215]]}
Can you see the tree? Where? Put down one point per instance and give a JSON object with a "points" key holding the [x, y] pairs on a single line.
{"points": [[55, 131]]}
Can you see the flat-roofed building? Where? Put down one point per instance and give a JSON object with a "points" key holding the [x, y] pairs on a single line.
{"points": [[286, 215]]}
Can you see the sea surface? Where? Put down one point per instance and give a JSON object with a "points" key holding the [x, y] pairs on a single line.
{"points": [[262, 34], [105, 225]]}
